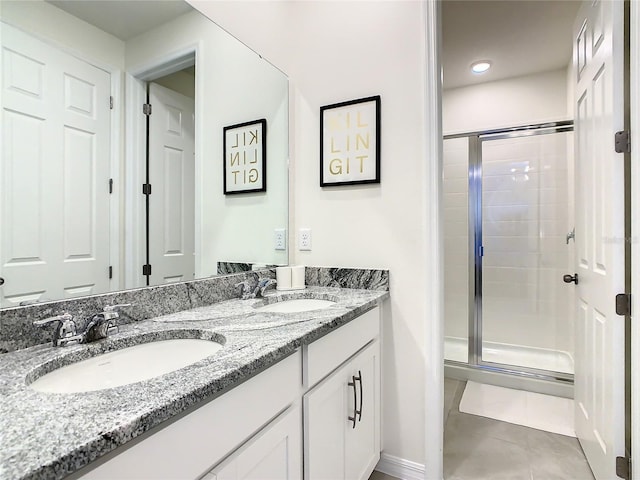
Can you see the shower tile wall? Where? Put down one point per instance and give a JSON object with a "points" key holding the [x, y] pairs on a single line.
{"points": [[526, 217], [456, 239]]}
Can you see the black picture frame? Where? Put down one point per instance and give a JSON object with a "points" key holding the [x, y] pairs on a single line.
{"points": [[346, 134], [244, 165]]}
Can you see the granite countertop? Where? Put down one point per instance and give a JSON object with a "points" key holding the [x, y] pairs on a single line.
{"points": [[47, 435]]}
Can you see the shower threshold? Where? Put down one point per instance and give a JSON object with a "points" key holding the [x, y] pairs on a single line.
{"points": [[456, 349]]}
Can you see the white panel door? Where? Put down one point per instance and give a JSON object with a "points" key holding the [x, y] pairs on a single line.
{"points": [[54, 173], [172, 178], [599, 376]]}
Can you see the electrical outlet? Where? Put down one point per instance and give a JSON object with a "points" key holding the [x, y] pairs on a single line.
{"points": [[304, 239], [280, 238]]}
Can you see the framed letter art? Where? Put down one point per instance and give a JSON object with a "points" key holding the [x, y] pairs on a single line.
{"points": [[245, 157], [350, 142]]}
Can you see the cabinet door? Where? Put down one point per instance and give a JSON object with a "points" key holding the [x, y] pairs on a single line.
{"points": [[362, 443], [275, 453], [325, 418], [336, 447]]}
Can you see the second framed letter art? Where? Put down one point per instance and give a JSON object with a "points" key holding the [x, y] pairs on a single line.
{"points": [[350, 142], [245, 157]]}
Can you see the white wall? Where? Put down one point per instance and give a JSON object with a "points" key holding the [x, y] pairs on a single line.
{"points": [[335, 51], [233, 85], [506, 103]]}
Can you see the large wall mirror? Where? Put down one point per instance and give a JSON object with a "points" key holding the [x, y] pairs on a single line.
{"points": [[99, 192]]}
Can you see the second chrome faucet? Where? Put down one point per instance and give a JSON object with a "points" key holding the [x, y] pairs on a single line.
{"points": [[249, 289]]}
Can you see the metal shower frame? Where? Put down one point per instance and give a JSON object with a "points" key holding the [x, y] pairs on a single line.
{"points": [[474, 358]]}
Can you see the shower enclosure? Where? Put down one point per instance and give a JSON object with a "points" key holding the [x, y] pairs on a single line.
{"points": [[508, 226]]}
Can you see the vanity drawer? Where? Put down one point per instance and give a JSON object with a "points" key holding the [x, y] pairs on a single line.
{"points": [[329, 352]]}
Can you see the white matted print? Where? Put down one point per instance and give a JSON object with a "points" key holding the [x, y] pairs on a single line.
{"points": [[350, 142], [245, 157]]}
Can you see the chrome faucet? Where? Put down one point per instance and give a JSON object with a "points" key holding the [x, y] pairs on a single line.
{"points": [[65, 333], [100, 326], [103, 324], [249, 290], [263, 284]]}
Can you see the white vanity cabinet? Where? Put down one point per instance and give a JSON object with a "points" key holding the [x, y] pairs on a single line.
{"points": [[340, 417], [342, 412], [326, 396]]}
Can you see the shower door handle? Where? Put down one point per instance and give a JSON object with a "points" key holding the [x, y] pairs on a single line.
{"points": [[570, 278]]}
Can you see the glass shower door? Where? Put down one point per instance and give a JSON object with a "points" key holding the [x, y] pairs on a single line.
{"points": [[526, 198]]}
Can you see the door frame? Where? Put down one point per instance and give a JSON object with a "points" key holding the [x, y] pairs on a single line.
{"points": [[433, 262], [434, 331], [635, 232], [136, 79]]}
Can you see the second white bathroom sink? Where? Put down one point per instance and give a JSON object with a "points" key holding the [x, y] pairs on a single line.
{"points": [[296, 305]]}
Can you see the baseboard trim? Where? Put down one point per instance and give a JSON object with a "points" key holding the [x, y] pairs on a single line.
{"points": [[400, 468]]}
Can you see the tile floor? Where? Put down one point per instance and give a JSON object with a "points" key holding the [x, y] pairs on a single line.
{"points": [[478, 448], [381, 476]]}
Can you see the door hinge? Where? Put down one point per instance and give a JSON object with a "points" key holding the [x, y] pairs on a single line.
{"points": [[111, 102], [146, 108], [623, 467], [146, 189], [623, 304], [623, 141], [146, 269], [110, 272], [111, 185]]}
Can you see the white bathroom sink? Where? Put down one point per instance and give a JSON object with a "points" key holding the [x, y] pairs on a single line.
{"points": [[128, 365], [296, 305]]}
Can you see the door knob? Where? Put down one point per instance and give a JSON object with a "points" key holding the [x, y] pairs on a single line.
{"points": [[570, 278]]}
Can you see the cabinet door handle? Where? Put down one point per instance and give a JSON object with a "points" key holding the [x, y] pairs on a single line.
{"points": [[352, 383], [359, 379]]}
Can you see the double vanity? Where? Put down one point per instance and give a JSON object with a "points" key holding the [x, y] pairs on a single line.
{"points": [[251, 388]]}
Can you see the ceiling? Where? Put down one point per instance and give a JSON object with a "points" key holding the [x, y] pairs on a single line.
{"points": [[124, 19], [519, 37]]}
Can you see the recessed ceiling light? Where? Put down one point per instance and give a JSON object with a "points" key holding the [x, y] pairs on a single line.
{"points": [[481, 66]]}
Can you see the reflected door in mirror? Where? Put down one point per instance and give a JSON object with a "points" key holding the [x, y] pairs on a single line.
{"points": [[54, 174], [171, 174]]}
